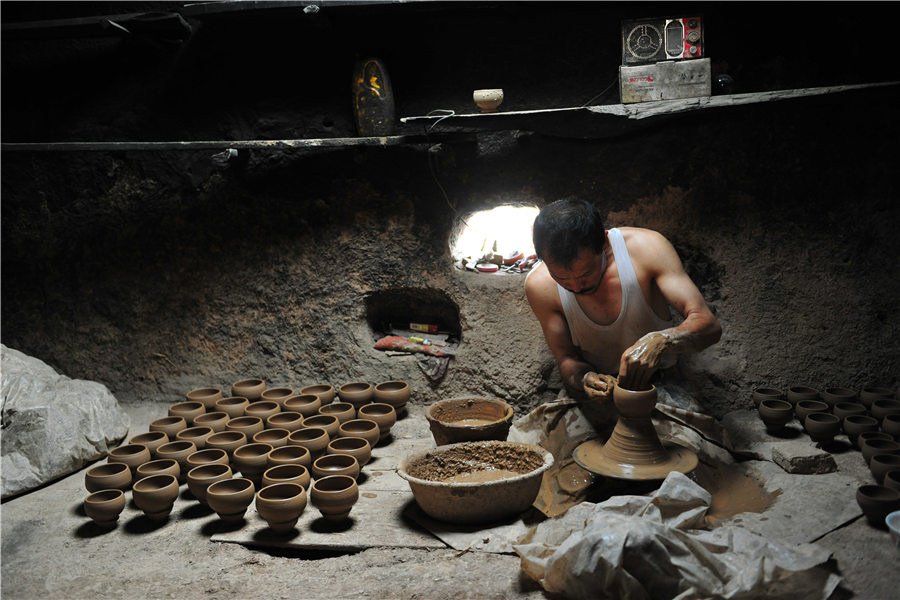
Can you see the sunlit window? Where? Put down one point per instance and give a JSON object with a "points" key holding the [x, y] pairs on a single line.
{"points": [[506, 227]]}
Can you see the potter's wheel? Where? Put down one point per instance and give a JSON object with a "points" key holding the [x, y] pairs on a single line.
{"points": [[590, 456]]}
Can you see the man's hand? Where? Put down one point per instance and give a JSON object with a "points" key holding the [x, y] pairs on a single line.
{"points": [[598, 386], [640, 361]]}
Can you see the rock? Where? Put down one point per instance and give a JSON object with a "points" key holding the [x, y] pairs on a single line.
{"points": [[800, 457], [52, 424]]}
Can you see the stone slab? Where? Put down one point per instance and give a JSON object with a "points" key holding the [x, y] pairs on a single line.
{"points": [[799, 458], [497, 538]]}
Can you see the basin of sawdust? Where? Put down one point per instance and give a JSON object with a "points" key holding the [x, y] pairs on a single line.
{"points": [[476, 482], [469, 420]]}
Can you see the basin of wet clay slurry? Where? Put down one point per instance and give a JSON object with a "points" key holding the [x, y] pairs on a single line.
{"points": [[469, 420], [634, 450]]}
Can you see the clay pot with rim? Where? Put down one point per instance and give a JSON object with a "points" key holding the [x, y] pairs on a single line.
{"points": [[857, 424], [288, 473], [288, 420], [169, 425], [314, 439], [881, 464], [197, 435], [105, 506], [179, 451], [152, 439], [822, 427], [277, 395], [281, 505], [325, 392], [233, 407], [306, 404], [488, 100], [208, 396], [250, 460], [210, 456], [775, 414], [364, 428], [262, 409], [160, 466], [796, 393], [766, 393], [805, 407], [871, 447], [833, 395], [155, 495], [247, 425], [229, 441], [843, 410], [869, 394], [891, 426], [133, 455], [872, 435], [188, 410], [892, 480], [274, 437], [329, 423], [395, 392], [455, 420], [230, 498], [251, 389], [335, 464], [344, 411], [356, 393], [201, 477], [111, 476], [876, 502], [357, 447], [383, 414], [882, 408], [289, 455], [334, 496], [215, 420]]}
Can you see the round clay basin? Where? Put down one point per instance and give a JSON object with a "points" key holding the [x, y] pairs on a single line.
{"points": [[476, 482], [469, 420]]}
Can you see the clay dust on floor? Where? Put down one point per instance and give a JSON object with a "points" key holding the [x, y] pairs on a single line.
{"points": [[733, 492]]}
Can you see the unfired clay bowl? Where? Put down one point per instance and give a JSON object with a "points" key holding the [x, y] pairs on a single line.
{"points": [[334, 496], [804, 407], [324, 391], [329, 423], [188, 410], [215, 420], [356, 393], [469, 419], [281, 505], [775, 414], [210, 456], [294, 473], [335, 464], [796, 393], [178, 451], [111, 476], [229, 441], [871, 447], [882, 408], [251, 389], [358, 448], [169, 425], [892, 480], [247, 425], [233, 407], [822, 427], [488, 100], [869, 394], [288, 420], [344, 411], [891, 426], [382, 413], [197, 435], [160, 466], [395, 393], [277, 395], [104, 507], [856, 424], [289, 455], [155, 495], [274, 437], [200, 478], [765, 393], [314, 439], [262, 409], [364, 428], [846, 409], [305, 404], [881, 464], [230, 498], [876, 502], [133, 455], [250, 460], [476, 482], [152, 439], [208, 396], [833, 395]]}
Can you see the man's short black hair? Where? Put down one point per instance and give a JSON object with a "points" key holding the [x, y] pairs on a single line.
{"points": [[563, 227]]}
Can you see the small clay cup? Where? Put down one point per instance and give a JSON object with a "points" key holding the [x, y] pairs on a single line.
{"points": [[455, 420], [169, 425], [251, 389], [105, 506], [857, 424], [488, 100], [882, 408], [314, 439], [804, 407], [873, 435], [833, 395], [796, 393], [277, 395], [197, 435], [871, 447], [289, 420], [335, 464], [233, 407], [822, 427], [305, 404], [395, 393], [324, 391], [247, 425], [766, 393], [201, 477], [876, 502], [287, 474], [289, 455], [111, 476], [179, 451], [210, 456], [133, 455], [869, 394], [230, 498], [215, 420], [334, 496], [383, 414], [207, 396], [155, 495], [344, 411], [892, 480], [329, 423], [281, 505], [274, 437], [229, 441], [152, 439], [356, 393], [188, 410], [775, 414], [881, 464], [364, 428], [891, 426], [262, 409], [357, 447], [160, 466], [843, 410], [250, 460]]}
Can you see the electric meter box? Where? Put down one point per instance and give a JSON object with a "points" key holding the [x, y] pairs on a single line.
{"points": [[667, 80]]}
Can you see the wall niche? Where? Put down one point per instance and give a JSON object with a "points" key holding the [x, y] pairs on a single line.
{"points": [[398, 307]]}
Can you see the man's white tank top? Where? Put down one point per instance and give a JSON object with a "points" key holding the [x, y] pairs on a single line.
{"points": [[602, 345]]}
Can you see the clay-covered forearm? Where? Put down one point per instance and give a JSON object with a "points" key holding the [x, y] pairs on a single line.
{"points": [[697, 332], [573, 372]]}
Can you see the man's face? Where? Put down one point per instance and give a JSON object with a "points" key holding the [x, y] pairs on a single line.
{"points": [[583, 276]]}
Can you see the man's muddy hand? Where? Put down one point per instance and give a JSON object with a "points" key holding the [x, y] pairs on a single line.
{"points": [[640, 361], [598, 386]]}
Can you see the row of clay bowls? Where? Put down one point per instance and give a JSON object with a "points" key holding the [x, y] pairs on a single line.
{"points": [[871, 420], [333, 443]]}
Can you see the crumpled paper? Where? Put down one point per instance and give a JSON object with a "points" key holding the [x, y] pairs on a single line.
{"points": [[647, 547]]}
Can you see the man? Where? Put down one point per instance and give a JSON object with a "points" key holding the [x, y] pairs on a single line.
{"points": [[603, 297]]}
